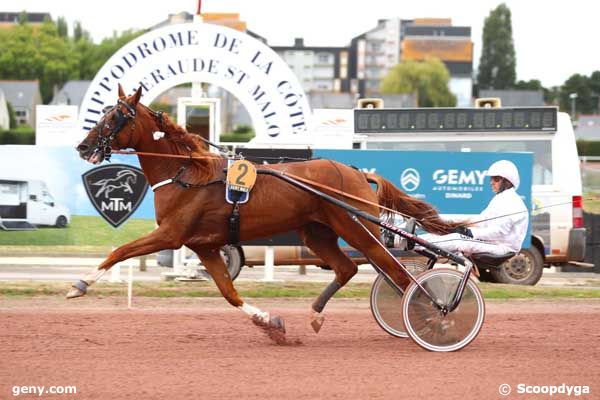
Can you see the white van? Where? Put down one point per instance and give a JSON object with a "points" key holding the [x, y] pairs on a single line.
{"points": [[28, 203], [558, 235]]}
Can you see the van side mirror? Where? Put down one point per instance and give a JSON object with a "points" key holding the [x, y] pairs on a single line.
{"points": [[33, 197]]}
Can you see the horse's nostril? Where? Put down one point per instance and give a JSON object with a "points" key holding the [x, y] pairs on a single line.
{"points": [[82, 147]]}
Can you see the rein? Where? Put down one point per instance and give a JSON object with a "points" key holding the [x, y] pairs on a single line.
{"points": [[304, 180], [145, 153]]}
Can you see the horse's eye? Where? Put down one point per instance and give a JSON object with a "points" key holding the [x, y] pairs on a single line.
{"points": [[106, 109]]}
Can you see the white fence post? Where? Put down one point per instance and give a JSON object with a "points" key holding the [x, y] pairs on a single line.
{"points": [[269, 275], [130, 285]]}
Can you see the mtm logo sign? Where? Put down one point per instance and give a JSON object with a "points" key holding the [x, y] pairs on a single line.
{"points": [[116, 191]]}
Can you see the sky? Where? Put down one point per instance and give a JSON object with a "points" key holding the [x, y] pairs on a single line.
{"points": [[553, 39]]}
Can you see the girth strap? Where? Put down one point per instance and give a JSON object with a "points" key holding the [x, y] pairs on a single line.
{"points": [[234, 219], [234, 224]]}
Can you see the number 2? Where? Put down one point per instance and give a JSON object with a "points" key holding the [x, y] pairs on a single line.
{"points": [[243, 173]]}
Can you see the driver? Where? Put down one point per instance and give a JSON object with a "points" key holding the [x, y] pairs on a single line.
{"points": [[503, 224]]}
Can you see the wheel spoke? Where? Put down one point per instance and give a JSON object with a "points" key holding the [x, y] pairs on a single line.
{"points": [[428, 326]]}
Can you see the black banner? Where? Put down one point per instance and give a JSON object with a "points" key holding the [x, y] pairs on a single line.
{"points": [[115, 190]]}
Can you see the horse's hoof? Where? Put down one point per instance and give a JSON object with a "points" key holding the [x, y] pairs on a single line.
{"points": [[316, 321], [77, 290], [275, 328], [277, 323]]}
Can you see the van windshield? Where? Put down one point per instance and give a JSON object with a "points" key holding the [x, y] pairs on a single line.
{"points": [[48, 199], [541, 149]]}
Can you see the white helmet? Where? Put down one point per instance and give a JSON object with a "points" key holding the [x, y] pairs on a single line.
{"points": [[507, 170]]}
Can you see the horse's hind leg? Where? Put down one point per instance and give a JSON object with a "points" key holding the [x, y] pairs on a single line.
{"points": [[324, 242], [368, 243], [214, 264]]}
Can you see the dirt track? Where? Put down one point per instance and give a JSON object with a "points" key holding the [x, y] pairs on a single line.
{"points": [[204, 349]]}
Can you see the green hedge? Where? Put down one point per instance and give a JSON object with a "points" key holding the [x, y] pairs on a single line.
{"points": [[20, 135], [236, 137], [588, 147]]}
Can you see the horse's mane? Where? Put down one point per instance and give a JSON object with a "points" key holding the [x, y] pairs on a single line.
{"points": [[183, 142], [179, 135]]}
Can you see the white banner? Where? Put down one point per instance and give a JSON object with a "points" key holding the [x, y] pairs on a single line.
{"points": [[56, 126]]}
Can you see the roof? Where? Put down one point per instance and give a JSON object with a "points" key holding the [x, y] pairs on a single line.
{"points": [[516, 98], [21, 93], [71, 93], [588, 127], [13, 17], [347, 100]]}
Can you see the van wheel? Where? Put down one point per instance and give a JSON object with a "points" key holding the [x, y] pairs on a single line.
{"points": [[525, 268], [61, 221], [232, 256]]}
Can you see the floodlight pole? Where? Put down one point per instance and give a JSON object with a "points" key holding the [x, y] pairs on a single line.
{"points": [[573, 97]]}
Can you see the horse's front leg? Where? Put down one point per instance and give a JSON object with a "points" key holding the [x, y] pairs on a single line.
{"points": [[155, 241], [214, 264]]}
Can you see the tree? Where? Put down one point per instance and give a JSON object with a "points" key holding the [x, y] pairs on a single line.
{"points": [[533, 84], [79, 33], [595, 88], [497, 65], [12, 118], [584, 103], [62, 27], [58, 61], [94, 56], [27, 54], [22, 18], [429, 79]]}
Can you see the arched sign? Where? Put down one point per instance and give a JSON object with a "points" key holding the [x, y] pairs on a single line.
{"points": [[198, 52]]}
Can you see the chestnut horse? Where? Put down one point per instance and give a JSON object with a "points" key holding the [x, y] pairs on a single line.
{"points": [[197, 216]]}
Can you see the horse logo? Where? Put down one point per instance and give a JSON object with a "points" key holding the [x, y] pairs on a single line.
{"points": [[124, 179], [115, 191], [410, 179]]}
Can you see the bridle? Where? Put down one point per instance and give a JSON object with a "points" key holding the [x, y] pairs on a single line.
{"points": [[121, 119]]}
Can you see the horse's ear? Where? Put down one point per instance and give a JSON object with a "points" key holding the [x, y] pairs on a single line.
{"points": [[121, 92], [136, 97]]}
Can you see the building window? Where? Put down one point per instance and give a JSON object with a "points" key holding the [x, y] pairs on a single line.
{"points": [[323, 58]]}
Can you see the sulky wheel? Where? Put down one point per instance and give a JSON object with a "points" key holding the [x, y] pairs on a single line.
{"points": [[386, 302], [427, 325]]}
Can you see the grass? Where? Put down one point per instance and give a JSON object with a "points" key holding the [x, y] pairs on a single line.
{"points": [[591, 202], [271, 290], [92, 232]]}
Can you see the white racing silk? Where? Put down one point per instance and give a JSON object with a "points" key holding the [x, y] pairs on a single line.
{"points": [[502, 230]]}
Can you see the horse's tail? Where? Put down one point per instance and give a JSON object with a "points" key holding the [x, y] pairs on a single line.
{"points": [[424, 213]]}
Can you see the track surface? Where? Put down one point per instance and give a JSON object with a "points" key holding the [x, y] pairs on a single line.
{"points": [[205, 349]]}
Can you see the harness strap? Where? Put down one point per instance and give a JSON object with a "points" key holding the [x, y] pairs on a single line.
{"points": [[234, 224], [161, 183]]}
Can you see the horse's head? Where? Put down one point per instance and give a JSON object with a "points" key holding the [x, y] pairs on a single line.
{"points": [[110, 132]]}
